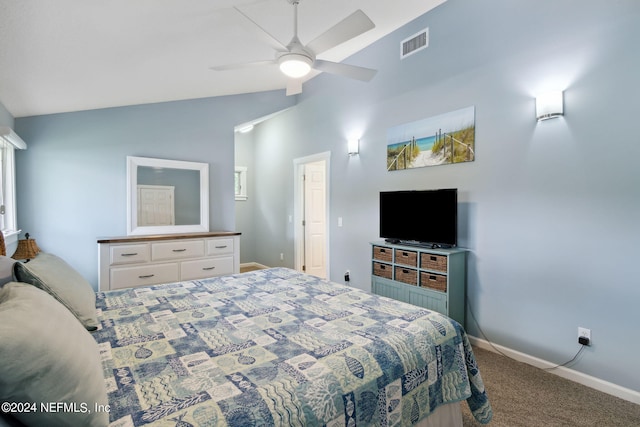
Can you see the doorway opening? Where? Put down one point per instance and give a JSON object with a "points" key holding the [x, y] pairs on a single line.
{"points": [[311, 214]]}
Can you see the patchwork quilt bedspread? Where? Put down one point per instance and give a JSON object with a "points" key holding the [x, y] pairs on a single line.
{"points": [[277, 347]]}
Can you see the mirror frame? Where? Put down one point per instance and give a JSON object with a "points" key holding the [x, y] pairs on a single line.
{"points": [[132, 196]]}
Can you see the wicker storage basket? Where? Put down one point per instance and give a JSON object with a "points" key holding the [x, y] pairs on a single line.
{"points": [[437, 282], [433, 262], [407, 275], [382, 270], [409, 258], [383, 254]]}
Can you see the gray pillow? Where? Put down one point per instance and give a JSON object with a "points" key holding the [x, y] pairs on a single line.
{"points": [[47, 356], [56, 277], [6, 269]]}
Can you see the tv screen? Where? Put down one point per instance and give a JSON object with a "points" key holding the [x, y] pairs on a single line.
{"points": [[424, 217]]}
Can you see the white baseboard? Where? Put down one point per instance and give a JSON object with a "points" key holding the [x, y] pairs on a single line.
{"points": [[570, 374]]}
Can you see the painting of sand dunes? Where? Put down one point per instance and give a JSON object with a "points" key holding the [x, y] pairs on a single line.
{"points": [[439, 140]]}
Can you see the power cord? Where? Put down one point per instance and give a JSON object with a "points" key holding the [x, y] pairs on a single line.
{"points": [[482, 332], [568, 362], [565, 364]]}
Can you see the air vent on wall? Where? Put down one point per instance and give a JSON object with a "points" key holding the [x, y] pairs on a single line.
{"points": [[414, 44]]}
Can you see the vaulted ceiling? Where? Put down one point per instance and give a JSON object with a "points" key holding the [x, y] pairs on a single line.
{"points": [[71, 55]]}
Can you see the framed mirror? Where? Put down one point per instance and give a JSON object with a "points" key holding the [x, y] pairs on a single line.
{"points": [[166, 196]]}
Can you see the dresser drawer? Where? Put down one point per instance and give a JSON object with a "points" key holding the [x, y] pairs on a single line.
{"points": [[429, 277], [383, 254], [409, 258], [129, 254], [382, 270], [177, 250], [433, 262], [406, 275], [219, 246], [436, 282], [144, 275], [199, 269]]}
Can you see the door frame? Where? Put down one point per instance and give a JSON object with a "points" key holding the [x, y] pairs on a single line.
{"points": [[298, 208]]}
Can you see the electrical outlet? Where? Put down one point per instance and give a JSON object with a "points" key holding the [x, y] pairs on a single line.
{"points": [[281, 257], [584, 334], [347, 276]]}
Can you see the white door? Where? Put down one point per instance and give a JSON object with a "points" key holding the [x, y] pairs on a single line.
{"points": [[315, 222], [155, 205]]}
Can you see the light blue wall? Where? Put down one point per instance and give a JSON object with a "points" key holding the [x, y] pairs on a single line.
{"points": [[549, 211], [71, 181]]}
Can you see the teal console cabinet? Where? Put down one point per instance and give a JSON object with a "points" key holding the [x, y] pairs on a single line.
{"points": [[434, 279]]}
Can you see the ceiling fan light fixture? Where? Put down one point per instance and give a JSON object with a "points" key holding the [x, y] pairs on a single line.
{"points": [[295, 65]]}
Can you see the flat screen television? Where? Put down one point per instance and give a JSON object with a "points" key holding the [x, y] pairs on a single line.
{"points": [[420, 217]]}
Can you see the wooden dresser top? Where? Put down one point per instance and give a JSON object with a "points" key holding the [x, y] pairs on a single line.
{"points": [[158, 237]]}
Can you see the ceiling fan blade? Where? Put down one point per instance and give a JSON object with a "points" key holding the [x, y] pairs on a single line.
{"points": [[294, 87], [243, 65], [346, 70], [351, 26], [264, 35]]}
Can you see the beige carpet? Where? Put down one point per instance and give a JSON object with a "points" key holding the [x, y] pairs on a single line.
{"points": [[247, 268], [522, 395]]}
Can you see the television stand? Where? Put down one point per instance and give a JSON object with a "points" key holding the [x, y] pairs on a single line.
{"points": [[432, 278]]}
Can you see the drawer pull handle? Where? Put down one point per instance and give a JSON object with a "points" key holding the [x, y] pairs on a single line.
{"points": [[432, 278], [405, 271], [208, 268], [383, 251], [148, 276], [432, 258], [382, 267], [221, 247], [179, 250], [130, 254], [405, 254]]}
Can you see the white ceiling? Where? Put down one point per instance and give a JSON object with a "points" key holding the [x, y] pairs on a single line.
{"points": [[71, 55]]}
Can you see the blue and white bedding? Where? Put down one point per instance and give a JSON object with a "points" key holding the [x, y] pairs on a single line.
{"points": [[277, 347]]}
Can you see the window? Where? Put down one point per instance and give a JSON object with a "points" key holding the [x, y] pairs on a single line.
{"points": [[9, 141], [241, 182]]}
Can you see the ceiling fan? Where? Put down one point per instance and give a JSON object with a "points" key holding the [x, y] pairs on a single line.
{"points": [[296, 60]]}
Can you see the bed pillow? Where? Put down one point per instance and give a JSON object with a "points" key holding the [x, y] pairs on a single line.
{"points": [[48, 357], [6, 269], [53, 275]]}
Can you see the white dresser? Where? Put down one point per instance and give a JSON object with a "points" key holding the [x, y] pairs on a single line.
{"points": [[126, 262]]}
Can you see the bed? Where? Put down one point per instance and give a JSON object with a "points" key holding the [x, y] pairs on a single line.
{"points": [[270, 347], [278, 347]]}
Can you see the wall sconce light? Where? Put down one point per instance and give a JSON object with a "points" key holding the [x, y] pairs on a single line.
{"points": [[353, 146], [549, 105]]}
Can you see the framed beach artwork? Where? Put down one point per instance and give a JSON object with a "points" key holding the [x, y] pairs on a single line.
{"points": [[439, 140]]}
